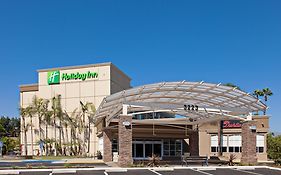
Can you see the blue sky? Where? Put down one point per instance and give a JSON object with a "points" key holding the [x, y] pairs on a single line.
{"points": [[152, 41]]}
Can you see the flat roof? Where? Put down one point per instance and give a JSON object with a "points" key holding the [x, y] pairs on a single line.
{"points": [[84, 66], [28, 87]]}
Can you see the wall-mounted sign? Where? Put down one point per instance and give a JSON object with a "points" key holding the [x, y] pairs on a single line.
{"points": [[126, 123], [226, 124], [55, 77]]}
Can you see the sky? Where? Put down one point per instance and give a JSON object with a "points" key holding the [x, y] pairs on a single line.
{"points": [[150, 40]]}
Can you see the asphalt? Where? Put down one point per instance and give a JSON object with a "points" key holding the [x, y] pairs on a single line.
{"points": [[180, 171], [49, 164]]}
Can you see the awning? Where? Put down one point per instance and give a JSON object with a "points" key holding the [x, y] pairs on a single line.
{"points": [[205, 99]]}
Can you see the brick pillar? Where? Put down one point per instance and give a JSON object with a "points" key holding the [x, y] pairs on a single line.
{"points": [[107, 146], [249, 154], [125, 141], [194, 143]]}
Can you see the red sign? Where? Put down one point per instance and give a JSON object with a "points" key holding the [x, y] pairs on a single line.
{"points": [[231, 124]]}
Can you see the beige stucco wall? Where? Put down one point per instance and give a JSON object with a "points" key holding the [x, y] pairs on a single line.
{"points": [[207, 129], [110, 80]]}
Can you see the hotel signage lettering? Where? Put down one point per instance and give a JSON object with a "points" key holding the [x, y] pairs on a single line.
{"points": [[227, 124], [55, 77]]}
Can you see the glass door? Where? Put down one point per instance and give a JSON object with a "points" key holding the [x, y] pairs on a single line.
{"points": [[157, 149], [148, 150], [145, 149]]}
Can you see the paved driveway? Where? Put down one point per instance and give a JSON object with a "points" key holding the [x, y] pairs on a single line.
{"points": [[156, 171]]}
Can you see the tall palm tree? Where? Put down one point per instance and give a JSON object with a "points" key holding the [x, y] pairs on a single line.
{"points": [[266, 92], [87, 109], [91, 120], [84, 108], [60, 117], [258, 93], [23, 114], [30, 113], [69, 121], [57, 115], [37, 105], [54, 112], [47, 121]]}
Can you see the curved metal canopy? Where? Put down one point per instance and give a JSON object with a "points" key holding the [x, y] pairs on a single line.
{"points": [[172, 96]]}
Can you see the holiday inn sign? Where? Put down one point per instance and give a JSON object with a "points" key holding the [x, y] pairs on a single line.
{"points": [[55, 77]]}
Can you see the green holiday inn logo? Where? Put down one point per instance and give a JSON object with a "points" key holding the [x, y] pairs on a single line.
{"points": [[54, 77]]}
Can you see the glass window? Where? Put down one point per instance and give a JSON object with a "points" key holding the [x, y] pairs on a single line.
{"points": [[260, 143], [134, 151], [139, 150], [214, 149], [224, 141], [237, 149], [224, 149], [114, 145], [235, 140], [260, 149], [214, 140], [172, 147]]}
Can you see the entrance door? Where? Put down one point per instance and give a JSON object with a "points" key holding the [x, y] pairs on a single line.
{"points": [[145, 149], [157, 149], [139, 150], [148, 150]]}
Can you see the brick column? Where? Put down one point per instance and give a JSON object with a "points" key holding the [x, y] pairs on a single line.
{"points": [[249, 154], [107, 146], [194, 143], [125, 141]]}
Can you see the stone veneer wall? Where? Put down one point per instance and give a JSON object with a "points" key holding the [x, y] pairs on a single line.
{"points": [[107, 146], [125, 141], [194, 143], [249, 155]]}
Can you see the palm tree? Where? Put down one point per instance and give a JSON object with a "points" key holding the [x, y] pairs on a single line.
{"points": [[69, 121], [266, 92], [89, 109], [60, 117], [91, 120], [54, 112], [37, 105], [23, 113], [258, 93], [84, 108], [30, 112], [47, 119]]}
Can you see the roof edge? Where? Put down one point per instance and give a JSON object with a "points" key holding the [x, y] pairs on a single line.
{"points": [[120, 71], [28, 87], [76, 67]]}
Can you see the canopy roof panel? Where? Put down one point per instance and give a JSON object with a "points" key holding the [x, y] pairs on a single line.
{"points": [[174, 95]]}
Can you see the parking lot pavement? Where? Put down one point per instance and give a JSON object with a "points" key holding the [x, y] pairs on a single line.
{"points": [[157, 171], [97, 172], [133, 172], [221, 171], [266, 171], [37, 173], [180, 172]]}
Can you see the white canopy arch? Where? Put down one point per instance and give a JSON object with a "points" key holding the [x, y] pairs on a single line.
{"points": [[209, 99]]}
